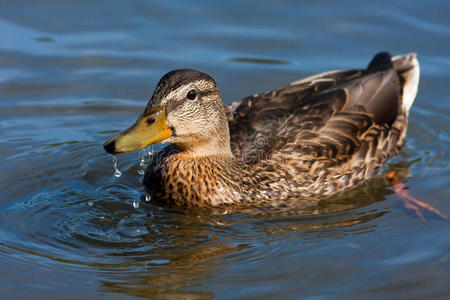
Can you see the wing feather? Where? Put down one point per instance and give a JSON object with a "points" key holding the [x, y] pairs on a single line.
{"points": [[330, 116]]}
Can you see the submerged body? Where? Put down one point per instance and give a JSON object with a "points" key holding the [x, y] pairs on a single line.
{"points": [[309, 139]]}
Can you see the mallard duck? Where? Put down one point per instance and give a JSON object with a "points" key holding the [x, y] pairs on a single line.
{"points": [[309, 139]]}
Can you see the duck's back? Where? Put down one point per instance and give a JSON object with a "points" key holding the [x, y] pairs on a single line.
{"points": [[338, 121]]}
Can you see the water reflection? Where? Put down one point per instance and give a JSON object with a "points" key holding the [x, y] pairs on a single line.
{"points": [[196, 244]]}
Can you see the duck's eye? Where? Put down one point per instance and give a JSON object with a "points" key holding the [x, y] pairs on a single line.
{"points": [[191, 94]]}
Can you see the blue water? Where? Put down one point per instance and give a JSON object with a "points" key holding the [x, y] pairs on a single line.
{"points": [[73, 73]]}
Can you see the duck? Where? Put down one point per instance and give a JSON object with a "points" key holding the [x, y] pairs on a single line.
{"points": [[310, 139]]}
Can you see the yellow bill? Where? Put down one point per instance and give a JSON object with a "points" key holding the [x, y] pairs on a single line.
{"points": [[150, 128]]}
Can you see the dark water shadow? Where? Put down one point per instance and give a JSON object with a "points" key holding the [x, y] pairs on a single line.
{"points": [[263, 61]]}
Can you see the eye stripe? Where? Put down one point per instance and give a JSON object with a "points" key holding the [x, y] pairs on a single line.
{"points": [[208, 93], [170, 90]]}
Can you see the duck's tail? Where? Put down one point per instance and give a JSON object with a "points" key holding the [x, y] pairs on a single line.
{"points": [[408, 69]]}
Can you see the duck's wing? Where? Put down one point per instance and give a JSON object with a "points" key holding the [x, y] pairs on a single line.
{"points": [[323, 117]]}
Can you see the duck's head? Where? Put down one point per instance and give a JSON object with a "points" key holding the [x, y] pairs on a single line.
{"points": [[186, 110]]}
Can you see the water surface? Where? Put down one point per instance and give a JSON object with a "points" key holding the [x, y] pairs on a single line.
{"points": [[74, 73]]}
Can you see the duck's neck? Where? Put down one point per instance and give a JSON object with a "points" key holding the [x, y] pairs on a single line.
{"points": [[205, 150], [217, 145]]}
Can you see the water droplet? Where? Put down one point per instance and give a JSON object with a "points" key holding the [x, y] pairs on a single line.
{"points": [[142, 158], [135, 204], [145, 157], [117, 172], [148, 266], [150, 150], [148, 198], [91, 202]]}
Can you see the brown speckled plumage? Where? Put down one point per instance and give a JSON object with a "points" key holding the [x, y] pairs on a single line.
{"points": [[311, 138]]}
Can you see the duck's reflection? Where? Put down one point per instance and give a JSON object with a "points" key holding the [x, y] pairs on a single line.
{"points": [[197, 244], [187, 257]]}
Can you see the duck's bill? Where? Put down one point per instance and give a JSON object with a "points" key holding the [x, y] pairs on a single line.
{"points": [[149, 129]]}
